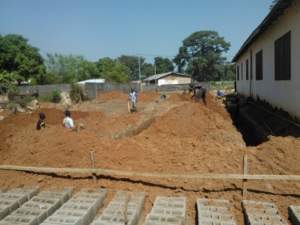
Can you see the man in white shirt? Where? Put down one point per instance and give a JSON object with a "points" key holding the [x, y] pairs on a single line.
{"points": [[132, 97], [68, 121]]}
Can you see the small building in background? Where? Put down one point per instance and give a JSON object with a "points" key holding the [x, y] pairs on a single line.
{"points": [[92, 81], [268, 63], [170, 78]]}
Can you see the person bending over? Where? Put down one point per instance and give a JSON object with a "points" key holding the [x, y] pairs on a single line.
{"points": [[41, 124], [68, 121]]}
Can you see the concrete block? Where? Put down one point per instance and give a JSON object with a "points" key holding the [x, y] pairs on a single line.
{"points": [[14, 198], [167, 211], [79, 210], [214, 212], [37, 209], [294, 214], [125, 206], [264, 213]]}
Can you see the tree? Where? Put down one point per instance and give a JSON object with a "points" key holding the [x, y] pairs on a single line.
{"points": [[8, 82], [163, 65], [20, 58], [147, 70], [113, 70], [201, 55], [68, 69], [132, 62]]}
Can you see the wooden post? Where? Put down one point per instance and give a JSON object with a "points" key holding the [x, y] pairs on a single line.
{"points": [[93, 165], [245, 172]]}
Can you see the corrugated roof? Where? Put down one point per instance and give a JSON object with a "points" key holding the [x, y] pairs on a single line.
{"points": [[161, 75], [92, 81], [273, 15]]}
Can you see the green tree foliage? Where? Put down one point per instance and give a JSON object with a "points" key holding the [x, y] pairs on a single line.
{"points": [[8, 82], [113, 70], [68, 69], [132, 62], [19, 57], [227, 72], [163, 65], [147, 70], [201, 55]]}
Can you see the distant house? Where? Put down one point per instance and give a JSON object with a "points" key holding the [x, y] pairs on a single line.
{"points": [[92, 81], [268, 63], [168, 79]]}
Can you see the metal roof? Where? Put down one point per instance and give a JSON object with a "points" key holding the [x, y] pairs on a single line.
{"points": [[273, 15], [161, 75], [99, 81]]}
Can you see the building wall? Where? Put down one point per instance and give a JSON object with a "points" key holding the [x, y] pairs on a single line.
{"points": [[174, 80], [282, 94]]}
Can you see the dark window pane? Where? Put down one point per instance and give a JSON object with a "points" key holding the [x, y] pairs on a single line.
{"points": [[259, 65], [247, 69], [283, 57]]}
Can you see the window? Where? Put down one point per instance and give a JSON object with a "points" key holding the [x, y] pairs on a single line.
{"points": [[247, 69], [242, 72], [283, 57], [259, 65], [237, 73]]}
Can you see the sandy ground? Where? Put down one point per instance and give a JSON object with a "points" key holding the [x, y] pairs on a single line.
{"points": [[171, 136]]}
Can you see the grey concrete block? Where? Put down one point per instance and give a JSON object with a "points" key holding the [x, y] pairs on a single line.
{"points": [[125, 206], [14, 198], [167, 211], [79, 210], [265, 213], [214, 212], [37, 209], [294, 214]]}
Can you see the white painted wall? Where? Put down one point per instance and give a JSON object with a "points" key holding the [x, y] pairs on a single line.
{"points": [[283, 94], [174, 80]]}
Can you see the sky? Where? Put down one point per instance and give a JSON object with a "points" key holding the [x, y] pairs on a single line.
{"points": [[101, 28]]}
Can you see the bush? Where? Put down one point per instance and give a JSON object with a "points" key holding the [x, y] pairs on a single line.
{"points": [[23, 101], [55, 96], [76, 93]]}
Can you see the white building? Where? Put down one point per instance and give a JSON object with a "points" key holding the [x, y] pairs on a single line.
{"points": [[168, 79], [268, 63], [93, 81]]}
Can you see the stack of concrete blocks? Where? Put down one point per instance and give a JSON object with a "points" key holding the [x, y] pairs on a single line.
{"points": [[79, 210], [214, 212], [36, 210], [167, 211], [125, 208], [262, 213], [294, 214], [13, 199]]}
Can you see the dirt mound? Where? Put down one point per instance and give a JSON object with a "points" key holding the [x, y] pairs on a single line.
{"points": [[177, 141], [112, 95], [148, 96], [279, 155]]}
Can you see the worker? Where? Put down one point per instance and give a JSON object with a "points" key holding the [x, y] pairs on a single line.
{"points": [[132, 97], [199, 92], [41, 122], [68, 121]]}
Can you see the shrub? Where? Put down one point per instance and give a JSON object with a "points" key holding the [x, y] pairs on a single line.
{"points": [[23, 101], [55, 96], [76, 93]]}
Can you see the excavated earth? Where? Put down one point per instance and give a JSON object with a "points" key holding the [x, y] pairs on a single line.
{"points": [[174, 135]]}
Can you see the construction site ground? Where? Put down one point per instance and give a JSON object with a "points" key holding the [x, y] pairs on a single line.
{"points": [[172, 135]]}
